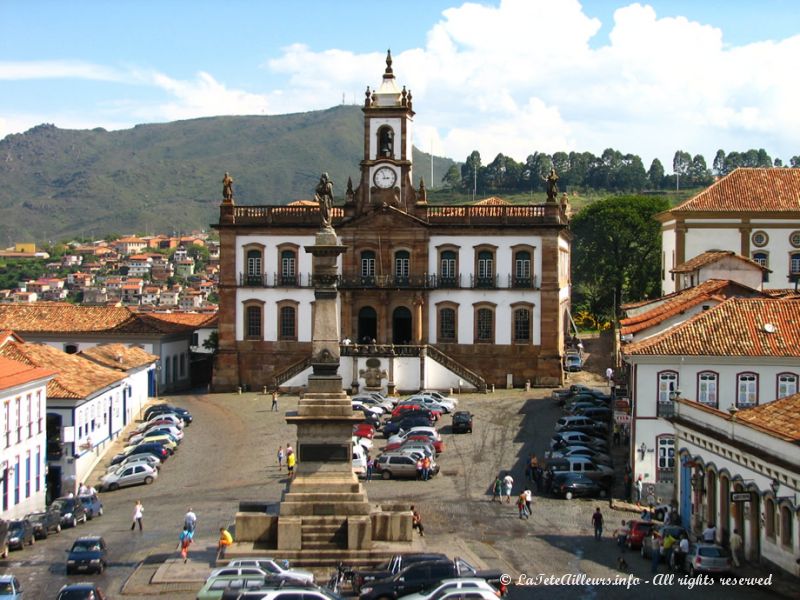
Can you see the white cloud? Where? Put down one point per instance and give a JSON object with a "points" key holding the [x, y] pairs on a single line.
{"points": [[57, 69]]}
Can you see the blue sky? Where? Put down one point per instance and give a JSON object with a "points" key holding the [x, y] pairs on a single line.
{"points": [[512, 76]]}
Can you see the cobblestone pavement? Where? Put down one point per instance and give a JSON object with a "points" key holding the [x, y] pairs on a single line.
{"points": [[228, 455]]}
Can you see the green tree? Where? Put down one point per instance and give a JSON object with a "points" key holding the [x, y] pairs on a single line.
{"points": [[616, 252], [471, 171], [699, 174], [452, 179], [719, 163], [656, 174], [680, 165], [211, 342]]}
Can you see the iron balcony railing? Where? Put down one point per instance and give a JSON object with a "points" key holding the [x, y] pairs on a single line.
{"points": [[426, 281]]}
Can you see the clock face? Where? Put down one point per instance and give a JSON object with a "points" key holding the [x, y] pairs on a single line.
{"points": [[384, 177]]}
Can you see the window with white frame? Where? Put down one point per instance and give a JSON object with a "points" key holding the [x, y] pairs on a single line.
{"points": [[787, 385], [707, 385], [368, 263], [746, 390], [794, 264], [665, 452], [762, 258], [255, 259], [402, 261], [447, 264], [667, 382]]}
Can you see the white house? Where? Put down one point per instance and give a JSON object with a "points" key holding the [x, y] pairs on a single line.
{"points": [[744, 352], [23, 397], [752, 212]]}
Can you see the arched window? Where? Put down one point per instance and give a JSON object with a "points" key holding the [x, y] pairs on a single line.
{"points": [[182, 364], [485, 269], [254, 265], [794, 264], [522, 325], [746, 390], [787, 525], [287, 326], [522, 269], [667, 382], [762, 258], [484, 326], [386, 142], [447, 331], [402, 260], [769, 518], [787, 385], [288, 267], [253, 321], [448, 268], [167, 370], [368, 265], [707, 388]]}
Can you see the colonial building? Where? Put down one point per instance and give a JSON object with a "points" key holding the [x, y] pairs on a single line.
{"points": [[479, 292], [753, 213]]}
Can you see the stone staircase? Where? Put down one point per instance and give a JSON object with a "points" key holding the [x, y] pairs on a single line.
{"points": [[324, 533], [456, 367]]}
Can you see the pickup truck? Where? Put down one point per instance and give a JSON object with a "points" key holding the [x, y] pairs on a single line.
{"points": [[392, 567], [426, 575]]}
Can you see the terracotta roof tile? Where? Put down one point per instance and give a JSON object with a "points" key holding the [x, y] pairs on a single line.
{"points": [[780, 416], [492, 201], [737, 327], [748, 189], [76, 376], [13, 373], [683, 300], [710, 257], [119, 356]]}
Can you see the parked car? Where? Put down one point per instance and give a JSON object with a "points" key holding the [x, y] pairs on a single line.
{"points": [[582, 424], [155, 431], [405, 423], [367, 408], [469, 587], [383, 403], [431, 403], [392, 566], [661, 531], [637, 531], [129, 475], [88, 554], [574, 408], [364, 430], [147, 459], [273, 568], [420, 433], [215, 588], [567, 451], [597, 413], [440, 397], [707, 559], [164, 439], [602, 474], [573, 362], [423, 446], [44, 522], [10, 587], [71, 510], [462, 421], [574, 485], [163, 420], [81, 591], [3, 538], [400, 465], [20, 532], [567, 438], [158, 409], [402, 409], [153, 448], [93, 506]]}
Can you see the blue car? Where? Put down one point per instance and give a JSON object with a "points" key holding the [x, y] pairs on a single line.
{"points": [[93, 506], [10, 588]]}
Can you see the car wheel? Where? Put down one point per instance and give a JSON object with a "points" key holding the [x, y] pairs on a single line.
{"points": [[100, 512], [568, 495], [85, 518], [386, 475], [113, 486], [88, 516], [58, 528], [74, 522], [148, 480]]}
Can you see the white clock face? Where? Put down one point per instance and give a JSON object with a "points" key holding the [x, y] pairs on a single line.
{"points": [[384, 177]]}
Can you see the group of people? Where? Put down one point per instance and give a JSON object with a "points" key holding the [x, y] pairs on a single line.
{"points": [[424, 468], [186, 536], [503, 487], [291, 459]]}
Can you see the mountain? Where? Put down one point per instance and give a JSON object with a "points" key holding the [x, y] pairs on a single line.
{"points": [[58, 183]]}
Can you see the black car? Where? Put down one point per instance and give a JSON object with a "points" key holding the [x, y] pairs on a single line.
{"points": [[81, 591], [20, 532], [598, 413], [44, 522], [572, 485], [160, 409], [462, 421], [154, 448], [71, 510], [88, 554], [405, 423]]}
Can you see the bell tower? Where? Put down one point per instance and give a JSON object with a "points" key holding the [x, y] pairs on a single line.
{"points": [[386, 166]]}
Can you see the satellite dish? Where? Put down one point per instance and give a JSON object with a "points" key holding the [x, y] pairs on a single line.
{"points": [[769, 327]]}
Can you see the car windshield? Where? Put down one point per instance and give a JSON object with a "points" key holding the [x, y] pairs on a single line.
{"points": [[6, 587], [35, 517], [81, 594], [711, 552], [86, 546]]}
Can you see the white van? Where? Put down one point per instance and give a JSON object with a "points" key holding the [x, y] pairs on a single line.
{"points": [[359, 460]]}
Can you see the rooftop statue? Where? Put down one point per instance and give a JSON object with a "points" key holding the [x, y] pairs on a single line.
{"points": [[324, 197]]}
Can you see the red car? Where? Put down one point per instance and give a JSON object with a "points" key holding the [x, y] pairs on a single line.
{"points": [[438, 445], [637, 531], [364, 430], [402, 409]]}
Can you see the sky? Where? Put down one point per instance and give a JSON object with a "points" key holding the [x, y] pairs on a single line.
{"points": [[510, 76]]}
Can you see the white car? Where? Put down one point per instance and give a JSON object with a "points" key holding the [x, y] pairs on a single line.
{"points": [[401, 437], [128, 475], [365, 443], [469, 586], [173, 431], [429, 402], [169, 418], [384, 404], [373, 410], [271, 567], [440, 397], [147, 459]]}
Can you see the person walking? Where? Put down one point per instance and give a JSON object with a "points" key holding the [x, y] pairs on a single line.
{"points": [[508, 483], [621, 534], [426, 468], [528, 501], [639, 486], [274, 401], [416, 521], [656, 548], [190, 520], [370, 467], [523, 511], [280, 457], [497, 488], [419, 469], [609, 376], [138, 511], [184, 541], [291, 461], [736, 544], [225, 540], [710, 534], [597, 521]]}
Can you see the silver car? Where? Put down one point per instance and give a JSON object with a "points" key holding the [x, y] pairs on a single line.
{"points": [[707, 558], [147, 459], [275, 568], [128, 475]]}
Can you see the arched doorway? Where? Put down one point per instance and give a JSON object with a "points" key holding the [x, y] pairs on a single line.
{"points": [[711, 498], [367, 325], [401, 326], [752, 546], [724, 508]]}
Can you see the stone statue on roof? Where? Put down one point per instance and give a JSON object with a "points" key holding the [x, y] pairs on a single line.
{"points": [[552, 185], [324, 197], [227, 187]]}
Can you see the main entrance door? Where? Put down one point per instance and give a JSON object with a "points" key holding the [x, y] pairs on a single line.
{"points": [[401, 325], [367, 325]]}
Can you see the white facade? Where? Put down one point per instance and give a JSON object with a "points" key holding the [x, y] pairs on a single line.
{"points": [[24, 445]]}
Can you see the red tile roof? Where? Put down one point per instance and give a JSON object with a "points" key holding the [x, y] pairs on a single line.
{"points": [[14, 373], [679, 302], [737, 327], [119, 356], [780, 416], [748, 189], [712, 256], [76, 377], [492, 201]]}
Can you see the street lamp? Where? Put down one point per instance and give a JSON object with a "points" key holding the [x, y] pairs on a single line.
{"points": [[775, 485]]}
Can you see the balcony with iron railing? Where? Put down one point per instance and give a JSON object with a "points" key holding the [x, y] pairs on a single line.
{"points": [[426, 281]]}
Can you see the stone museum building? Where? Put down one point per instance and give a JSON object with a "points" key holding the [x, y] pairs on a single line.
{"points": [[439, 296]]}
